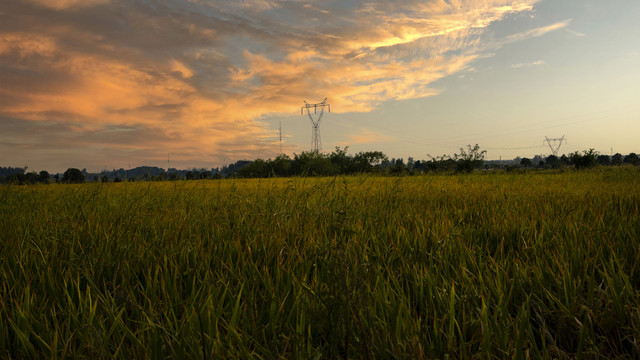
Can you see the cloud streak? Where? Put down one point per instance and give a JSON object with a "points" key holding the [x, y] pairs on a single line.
{"points": [[537, 32], [191, 77], [527, 65]]}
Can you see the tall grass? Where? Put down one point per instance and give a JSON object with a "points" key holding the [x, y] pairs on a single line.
{"points": [[472, 266]]}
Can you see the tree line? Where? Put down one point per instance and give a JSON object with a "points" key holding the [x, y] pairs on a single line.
{"points": [[586, 159], [338, 162]]}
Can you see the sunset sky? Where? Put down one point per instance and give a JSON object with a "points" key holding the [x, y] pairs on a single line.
{"points": [[103, 84]]}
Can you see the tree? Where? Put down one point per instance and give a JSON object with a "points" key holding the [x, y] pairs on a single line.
{"points": [[525, 162], [281, 165], [553, 161], [604, 160], [632, 159], [73, 176], [419, 166], [342, 161], [398, 167], [469, 159], [44, 177], [617, 159], [368, 161], [410, 163], [31, 178], [537, 160]]}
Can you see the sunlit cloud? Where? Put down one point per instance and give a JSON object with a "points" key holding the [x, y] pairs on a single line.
{"points": [[192, 77]]}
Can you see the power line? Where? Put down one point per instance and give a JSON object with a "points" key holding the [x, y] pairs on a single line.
{"points": [[279, 117], [516, 148], [561, 122], [573, 146], [405, 137]]}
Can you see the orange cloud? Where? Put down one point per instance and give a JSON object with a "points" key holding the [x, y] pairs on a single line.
{"points": [[25, 44], [180, 68], [191, 77]]}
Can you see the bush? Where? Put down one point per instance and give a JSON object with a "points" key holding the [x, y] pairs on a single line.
{"points": [[588, 159]]}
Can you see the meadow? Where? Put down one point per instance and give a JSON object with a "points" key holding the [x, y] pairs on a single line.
{"points": [[482, 265]]}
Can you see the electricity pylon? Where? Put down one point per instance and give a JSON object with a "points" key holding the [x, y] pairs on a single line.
{"points": [[316, 145], [558, 141]]}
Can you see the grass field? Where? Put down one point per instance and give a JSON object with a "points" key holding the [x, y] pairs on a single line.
{"points": [[535, 265]]}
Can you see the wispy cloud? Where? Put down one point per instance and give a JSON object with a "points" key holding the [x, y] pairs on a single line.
{"points": [[527, 65], [574, 33], [190, 76], [537, 32]]}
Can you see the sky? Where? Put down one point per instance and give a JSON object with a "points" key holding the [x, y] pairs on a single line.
{"points": [[109, 84]]}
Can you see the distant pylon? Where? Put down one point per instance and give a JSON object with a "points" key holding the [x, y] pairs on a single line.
{"points": [[316, 144], [558, 141]]}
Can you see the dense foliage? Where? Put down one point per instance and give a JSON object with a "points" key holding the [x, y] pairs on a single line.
{"points": [[505, 265]]}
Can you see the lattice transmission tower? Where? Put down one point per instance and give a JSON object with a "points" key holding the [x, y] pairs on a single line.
{"points": [[557, 142], [316, 144]]}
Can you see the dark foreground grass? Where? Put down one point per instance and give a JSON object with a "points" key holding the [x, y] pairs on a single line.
{"points": [[475, 266]]}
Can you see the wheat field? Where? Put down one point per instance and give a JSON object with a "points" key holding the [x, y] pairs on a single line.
{"points": [[485, 265]]}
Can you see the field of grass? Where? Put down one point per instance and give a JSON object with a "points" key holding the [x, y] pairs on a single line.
{"points": [[535, 265]]}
